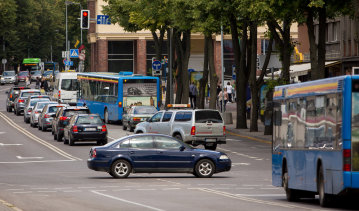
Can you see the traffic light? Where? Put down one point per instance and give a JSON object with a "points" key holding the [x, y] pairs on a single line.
{"points": [[85, 19]]}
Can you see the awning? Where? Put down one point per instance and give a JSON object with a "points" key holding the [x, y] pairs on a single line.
{"points": [[302, 69]]}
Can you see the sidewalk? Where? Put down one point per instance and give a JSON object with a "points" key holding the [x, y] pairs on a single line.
{"points": [[5, 206]]}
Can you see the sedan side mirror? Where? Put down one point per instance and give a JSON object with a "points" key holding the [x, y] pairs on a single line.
{"points": [[182, 148]]}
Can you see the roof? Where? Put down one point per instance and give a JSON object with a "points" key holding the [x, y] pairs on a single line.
{"points": [[302, 69], [114, 76]]}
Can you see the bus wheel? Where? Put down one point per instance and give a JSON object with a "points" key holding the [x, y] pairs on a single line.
{"points": [[290, 193], [324, 199], [106, 116]]}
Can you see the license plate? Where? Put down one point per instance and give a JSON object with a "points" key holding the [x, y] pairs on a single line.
{"points": [[211, 140], [90, 129]]}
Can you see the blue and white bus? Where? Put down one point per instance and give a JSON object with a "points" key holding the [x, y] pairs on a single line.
{"points": [[108, 94], [315, 148]]}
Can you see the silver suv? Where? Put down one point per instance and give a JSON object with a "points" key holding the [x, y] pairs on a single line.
{"points": [[195, 127]]}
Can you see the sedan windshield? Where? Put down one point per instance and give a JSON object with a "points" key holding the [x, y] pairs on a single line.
{"points": [[145, 110], [9, 73], [24, 73]]}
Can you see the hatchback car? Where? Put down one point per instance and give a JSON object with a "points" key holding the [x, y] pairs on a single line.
{"points": [[36, 111], [85, 127], [47, 114], [153, 153], [8, 77], [12, 95], [20, 101], [135, 115], [62, 118], [35, 74], [30, 103], [21, 77]]}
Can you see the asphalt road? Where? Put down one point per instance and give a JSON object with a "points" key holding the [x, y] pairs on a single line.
{"points": [[38, 173]]}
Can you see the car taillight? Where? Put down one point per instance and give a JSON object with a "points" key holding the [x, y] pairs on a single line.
{"points": [[21, 101], [11, 96], [75, 129], [104, 128], [47, 116], [29, 110], [193, 130], [59, 94], [136, 119], [347, 160], [224, 130], [93, 153], [62, 118]]}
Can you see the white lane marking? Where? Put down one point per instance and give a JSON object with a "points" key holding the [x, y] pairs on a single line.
{"points": [[126, 201], [36, 161], [111, 138], [14, 189], [245, 188], [38, 188], [176, 183], [171, 189], [72, 191], [23, 192], [243, 198], [261, 195], [240, 164], [112, 186], [64, 188], [270, 188], [1, 144], [28, 158], [86, 187], [252, 185], [121, 190], [2, 133], [37, 139], [146, 189], [46, 191]]}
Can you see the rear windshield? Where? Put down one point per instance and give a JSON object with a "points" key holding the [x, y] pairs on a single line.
{"points": [[23, 73], [89, 120], [41, 105], [145, 110], [27, 94], [53, 109], [208, 116], [69, 84], [34, 101], [9, 73], [72, 112]]}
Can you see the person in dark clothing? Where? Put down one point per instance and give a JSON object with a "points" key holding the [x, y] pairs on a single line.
{"points": [[37, 86], [193, 94], [46, 86]]}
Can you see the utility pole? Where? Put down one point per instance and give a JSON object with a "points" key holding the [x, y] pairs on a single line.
{"points": [[222, 65], [170, 89]]}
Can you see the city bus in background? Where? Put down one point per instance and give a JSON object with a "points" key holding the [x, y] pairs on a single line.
{"points": [[315, 148], [31, 65], [109, 94]]}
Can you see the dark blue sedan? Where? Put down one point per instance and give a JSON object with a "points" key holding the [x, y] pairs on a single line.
{"points": [[152, 153]]}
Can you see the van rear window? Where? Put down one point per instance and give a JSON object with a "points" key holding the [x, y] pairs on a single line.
{"points": [[69, 84], [208, 116]]}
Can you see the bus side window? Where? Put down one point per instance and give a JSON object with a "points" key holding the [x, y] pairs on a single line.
{"points": [[277, 118]]}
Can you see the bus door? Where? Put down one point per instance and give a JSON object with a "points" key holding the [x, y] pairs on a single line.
{"points": [[277, 155], [355, 135]]}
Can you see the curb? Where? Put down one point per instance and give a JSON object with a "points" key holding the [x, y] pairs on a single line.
{"points": [[231, 132], [8, 206]]}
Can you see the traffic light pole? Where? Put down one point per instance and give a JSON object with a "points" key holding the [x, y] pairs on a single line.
{"points": [[66, 39]]}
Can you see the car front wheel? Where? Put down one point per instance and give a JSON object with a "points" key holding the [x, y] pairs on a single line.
{"points": [[204, 168], [120, 169]]}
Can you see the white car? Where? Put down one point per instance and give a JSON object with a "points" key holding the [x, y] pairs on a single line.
{"points": [[8, 77], [195, 127]]}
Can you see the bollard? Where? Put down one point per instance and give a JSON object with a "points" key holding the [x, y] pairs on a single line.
{"points": [[227, 118]]}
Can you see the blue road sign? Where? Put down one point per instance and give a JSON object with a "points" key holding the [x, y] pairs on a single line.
{"points": [[156, 65], [69, 63], [74, 53], [103, 19]]}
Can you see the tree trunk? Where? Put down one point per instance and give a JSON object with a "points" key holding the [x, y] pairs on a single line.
{"points": [[212, 75], [170, 69], [321, 42], [241, 81], [312, 45], [240, 75], [204, 80], [268, 129], [179, 80], [253, 78], [158, 50], [186, 50], [287, 51]]}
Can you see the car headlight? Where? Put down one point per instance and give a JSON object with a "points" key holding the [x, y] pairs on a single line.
{"points": [[223, 157]]}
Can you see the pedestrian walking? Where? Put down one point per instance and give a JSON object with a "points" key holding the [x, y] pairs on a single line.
{"points": [[46, 86], [192, 94], [221, 96], [229, 91], [37, 85], [27, 82]]}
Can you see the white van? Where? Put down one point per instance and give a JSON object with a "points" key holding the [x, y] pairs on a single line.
{"points": [[66, 87]]}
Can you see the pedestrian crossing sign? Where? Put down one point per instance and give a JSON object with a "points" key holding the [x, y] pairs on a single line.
{"points": [[74, 53]]}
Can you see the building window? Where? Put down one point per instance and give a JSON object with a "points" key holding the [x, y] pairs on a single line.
{"points": [[265, 45], [335, 30], [228, 58], [120, 56], [151, 53]]}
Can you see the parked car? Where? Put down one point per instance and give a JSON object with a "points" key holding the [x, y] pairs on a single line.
{"points": [[36, 111], [195, 127], [62, 118], [85, 127], [21, 77], [153, 153], [20, 101], [8, 77], [30, 103], [135, 115], [35, 74], [47, 115], [12, 95]]}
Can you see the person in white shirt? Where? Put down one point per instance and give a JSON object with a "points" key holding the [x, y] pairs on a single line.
{"points": [[229, 91]]}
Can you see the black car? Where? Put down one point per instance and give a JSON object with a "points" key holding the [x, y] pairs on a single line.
{"points": [[62, 118], [85, 127], [154, 153], [12, 95]]}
